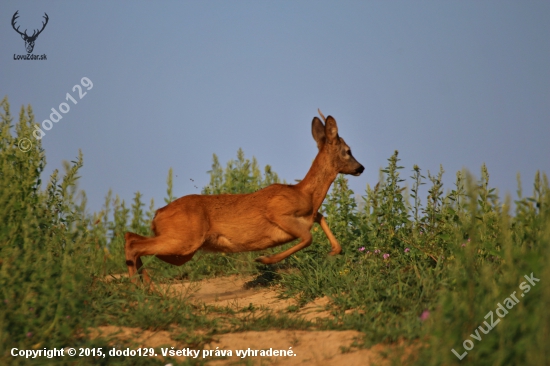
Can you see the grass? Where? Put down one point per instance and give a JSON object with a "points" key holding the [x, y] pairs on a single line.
{"points": [[427, 274]]}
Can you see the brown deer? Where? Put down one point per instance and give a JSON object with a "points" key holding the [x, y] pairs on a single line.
{"points": [[232, 223]]}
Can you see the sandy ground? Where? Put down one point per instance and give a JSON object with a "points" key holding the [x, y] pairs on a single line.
{"points": [[307, 347], [238, 292]]}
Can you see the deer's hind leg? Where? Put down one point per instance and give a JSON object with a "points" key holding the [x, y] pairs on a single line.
{"points": [[175, 251], [133, 267]]}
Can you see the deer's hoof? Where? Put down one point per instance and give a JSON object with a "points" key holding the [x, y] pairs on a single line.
{"points": [[335, 252]]}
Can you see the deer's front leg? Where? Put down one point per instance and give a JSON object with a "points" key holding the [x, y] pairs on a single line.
{"points": [[280, 256], [296, 227], [336, 248]]}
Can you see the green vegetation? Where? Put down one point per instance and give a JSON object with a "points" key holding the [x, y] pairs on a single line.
{"points": [[240, 176], [433, 273], [424, 271]]}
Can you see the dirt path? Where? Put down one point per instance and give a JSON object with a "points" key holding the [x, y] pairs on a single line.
{"points": [[293, 347], [237, 292]]}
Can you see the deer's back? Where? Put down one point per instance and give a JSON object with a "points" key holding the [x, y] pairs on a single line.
{"points": [[234, 222]]}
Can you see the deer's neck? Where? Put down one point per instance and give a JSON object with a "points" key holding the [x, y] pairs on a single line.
{"points": [[318, 180]]}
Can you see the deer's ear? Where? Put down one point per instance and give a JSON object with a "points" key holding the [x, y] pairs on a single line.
{"points": [[318, 132], [331, 129]]}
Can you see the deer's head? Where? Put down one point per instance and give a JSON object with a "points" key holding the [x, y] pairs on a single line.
{"points": [[29, 40], [328, 141]]}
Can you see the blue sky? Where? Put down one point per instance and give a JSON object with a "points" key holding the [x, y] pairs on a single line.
{"points": [[456, 83]]}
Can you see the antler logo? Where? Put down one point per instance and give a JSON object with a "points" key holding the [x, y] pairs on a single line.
{"points": [[29, 40]]}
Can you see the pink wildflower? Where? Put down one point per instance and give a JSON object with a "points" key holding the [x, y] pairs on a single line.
{"points": [[377, 251], [386, 255], [425, 315], [362, 249], [407, 250]]}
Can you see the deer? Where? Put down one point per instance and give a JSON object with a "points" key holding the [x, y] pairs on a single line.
{"points": [[232, 223], [29, 40]]}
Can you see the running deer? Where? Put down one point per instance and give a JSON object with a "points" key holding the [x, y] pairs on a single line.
{"points": [[232, 223]]}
